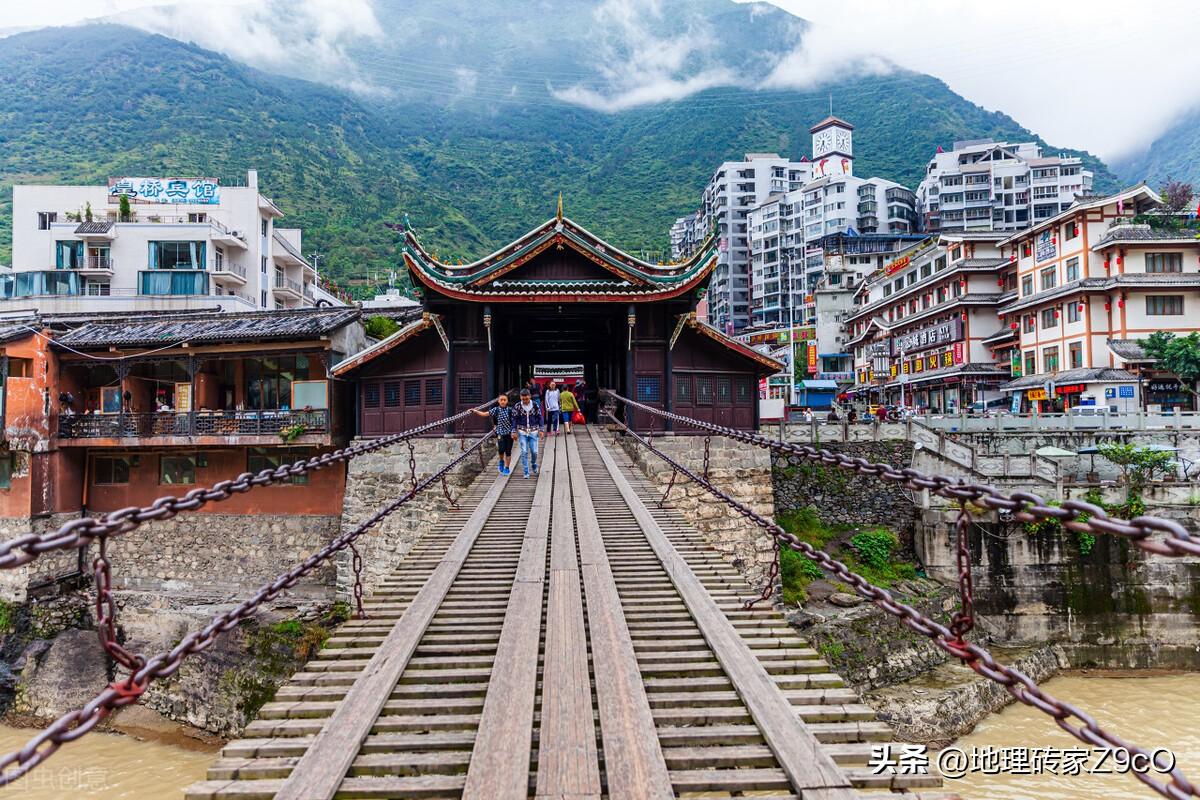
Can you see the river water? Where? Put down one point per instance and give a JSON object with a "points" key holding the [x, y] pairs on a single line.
{"points": [[107, 765], [1159, 711], [1153, 711]]}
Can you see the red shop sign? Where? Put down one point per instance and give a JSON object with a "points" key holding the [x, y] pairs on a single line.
{"points": [[1071, 388]]}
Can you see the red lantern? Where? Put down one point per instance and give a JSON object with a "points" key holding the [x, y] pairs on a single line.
{"points": [[1108, 306], [1056, 313], [1081, 307], [1000, 283], [1121, 303], [1014, 326]]}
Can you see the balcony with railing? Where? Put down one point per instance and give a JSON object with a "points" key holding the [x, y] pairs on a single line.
{"points": [[227, 273], [306, 426], [287, 289]]}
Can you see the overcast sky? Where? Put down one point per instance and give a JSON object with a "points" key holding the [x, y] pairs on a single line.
{"points": [[1101, 75]]}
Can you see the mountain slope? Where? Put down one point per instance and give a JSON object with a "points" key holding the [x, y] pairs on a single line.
{"points": [[1174, 154], [81, 104]]}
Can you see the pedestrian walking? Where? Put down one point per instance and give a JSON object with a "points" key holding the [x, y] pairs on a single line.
{"points": [[535, 392], [569, 405], [833, 415], [881, 413], [551, 407], [852, 415], [503, 419], [528, 424], [581, 397]]}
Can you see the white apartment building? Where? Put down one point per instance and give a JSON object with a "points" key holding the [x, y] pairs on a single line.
{"points": [[183, 243], [787, 232], [1092, 283], [735, 188], [925, 331], [985, 185]]}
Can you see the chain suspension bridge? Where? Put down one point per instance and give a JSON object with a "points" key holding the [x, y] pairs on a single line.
{"points": [[569, 637]]}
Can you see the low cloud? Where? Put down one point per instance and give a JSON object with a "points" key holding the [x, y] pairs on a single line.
{"points": [[637, 66]]}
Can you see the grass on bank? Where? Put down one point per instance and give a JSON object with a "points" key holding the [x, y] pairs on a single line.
{"points": [[872, 553]]}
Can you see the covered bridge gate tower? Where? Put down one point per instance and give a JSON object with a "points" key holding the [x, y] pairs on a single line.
{"points": [[559, 294]]}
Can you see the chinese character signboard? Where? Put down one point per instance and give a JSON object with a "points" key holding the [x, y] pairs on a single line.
{"points": [[192, 191], [812, 357], [925, 338], [1036, 394], [1046, 246], [958, 352]]}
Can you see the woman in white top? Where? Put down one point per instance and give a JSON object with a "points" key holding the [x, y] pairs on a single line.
{"points": [[550, 408]]}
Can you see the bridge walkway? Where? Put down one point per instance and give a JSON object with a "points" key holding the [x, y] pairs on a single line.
{"points": [[562, 638]]}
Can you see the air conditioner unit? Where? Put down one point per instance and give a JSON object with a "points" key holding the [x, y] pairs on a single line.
{"points": [[237, 234]]}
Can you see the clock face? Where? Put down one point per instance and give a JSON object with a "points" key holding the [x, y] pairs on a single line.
{"points": [[822, 142], [842, 141]]}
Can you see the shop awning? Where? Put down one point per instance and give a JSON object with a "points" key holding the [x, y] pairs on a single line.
{"points": [[826, 385]]}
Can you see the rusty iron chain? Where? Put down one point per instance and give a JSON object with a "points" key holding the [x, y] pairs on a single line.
{"points": [[356, 563], [1024, 689], [75, 724], [1163, 537], [963, 620], [412, 463], [707, 442], [81, 532], [106, 612], [663, 502], [446, 491]]}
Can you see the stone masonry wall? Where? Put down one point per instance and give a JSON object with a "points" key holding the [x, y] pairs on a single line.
{"points": [[841, 497], [742, 471], [376, 479]]}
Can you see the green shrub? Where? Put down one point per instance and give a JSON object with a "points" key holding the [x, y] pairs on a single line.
{"points": [[875, 547], [380, 327]]}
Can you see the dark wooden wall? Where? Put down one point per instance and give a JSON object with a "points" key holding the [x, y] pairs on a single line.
{"points": [[404, 388], [712, 384]]}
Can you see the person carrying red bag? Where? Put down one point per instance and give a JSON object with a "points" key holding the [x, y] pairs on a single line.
{"points": [[570, 408]]}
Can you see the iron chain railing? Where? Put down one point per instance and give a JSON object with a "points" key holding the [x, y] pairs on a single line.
{"points": [[143, 671], [79, 533], [951, 639]]}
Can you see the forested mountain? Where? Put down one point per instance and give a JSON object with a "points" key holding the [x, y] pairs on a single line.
{"points": [[1174, 154], [80, 104]]}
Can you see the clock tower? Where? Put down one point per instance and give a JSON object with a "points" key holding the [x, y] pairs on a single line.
{"points": [[832, 147]]}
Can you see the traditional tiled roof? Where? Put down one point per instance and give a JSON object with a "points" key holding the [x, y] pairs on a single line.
{"points": [[1129, 350], [93, 227], [1128, 280], [12, 333], [1000, 336], [1138, 196], [359, 359], [985, 370], [705, 329], [151, 330], [1135, 234], [1084, 375], [632, 278]]}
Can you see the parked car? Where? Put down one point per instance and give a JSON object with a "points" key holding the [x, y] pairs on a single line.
{"points": [[988, 406]]}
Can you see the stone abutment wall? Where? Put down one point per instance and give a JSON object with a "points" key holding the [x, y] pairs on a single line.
{"points": [[741, 471]]}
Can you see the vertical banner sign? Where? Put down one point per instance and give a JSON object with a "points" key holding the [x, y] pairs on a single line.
{"points": [[812, 357], [958, 352]]}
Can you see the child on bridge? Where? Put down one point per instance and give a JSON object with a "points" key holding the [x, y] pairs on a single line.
{"points": [[504, 421]]}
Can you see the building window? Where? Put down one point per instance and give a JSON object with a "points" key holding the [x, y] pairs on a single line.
{"points": [[265, 223], [683, 390], [704, 391], [20, 367], [1049, 318], [110, 470], [263, 267], [197, 217], [1049, 278], [1164, 262], [1075, 354], [370, 395], [1071, 230], [1158, 305], [744, 389], [433, 392], [1030, 363], [269, 381], [1072, 269], [259, 458], [68, 255], [1027, 286], [1050, 359], [1026, 249], [177, 255], [46, 219], [724, 391], [412, 393], [1073, 312], [7, 461], [262, 298], [218, 259], [176, 469], [1029, 323], [470, 390], [391, 394], [649, 389]]}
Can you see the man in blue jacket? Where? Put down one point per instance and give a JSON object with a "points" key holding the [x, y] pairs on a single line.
{"points": [[528, 423]]}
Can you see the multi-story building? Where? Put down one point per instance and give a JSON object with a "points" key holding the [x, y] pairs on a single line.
{"points": [[735, 188], [153, 244], [985, 185], [926, 327], [1092, 282], [787, 231]]}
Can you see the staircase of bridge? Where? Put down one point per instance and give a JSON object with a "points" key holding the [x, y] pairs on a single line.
{"points": [[562, 636]]}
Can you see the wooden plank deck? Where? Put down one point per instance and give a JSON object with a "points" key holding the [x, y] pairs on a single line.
{"points": [[562, 637]]}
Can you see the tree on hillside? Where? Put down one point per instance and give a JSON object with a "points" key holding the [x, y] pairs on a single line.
{"points": [[1179, 355], [1177, 196]]}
